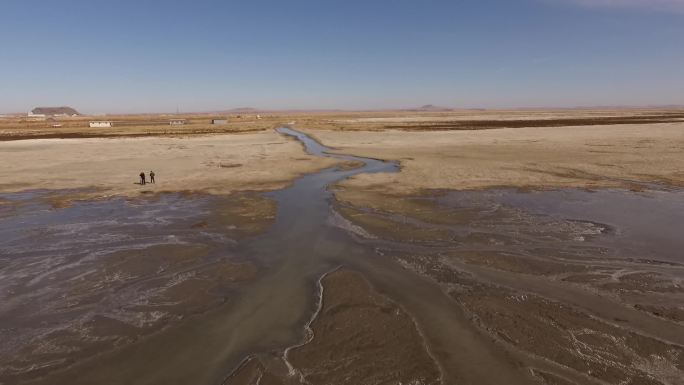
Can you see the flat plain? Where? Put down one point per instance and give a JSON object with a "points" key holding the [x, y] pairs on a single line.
{"points": [[522, 246]]}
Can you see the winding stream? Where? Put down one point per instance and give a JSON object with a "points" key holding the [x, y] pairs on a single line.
{"points": [[306, 240], [269, 314]]}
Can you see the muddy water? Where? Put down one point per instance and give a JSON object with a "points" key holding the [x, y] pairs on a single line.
{"points": [[87, 278], [649, 222], [266, 309]]}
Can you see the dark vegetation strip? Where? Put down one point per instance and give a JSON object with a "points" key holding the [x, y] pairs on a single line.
{"points": [[80, 135], [492, 124]]}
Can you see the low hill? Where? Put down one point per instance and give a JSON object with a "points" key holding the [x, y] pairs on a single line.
{"points": [[431, 108], [244, 110], [55, 111]]}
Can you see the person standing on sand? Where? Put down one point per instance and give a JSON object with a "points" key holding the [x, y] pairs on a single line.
{"points": [[142, 178], [151, 176]]}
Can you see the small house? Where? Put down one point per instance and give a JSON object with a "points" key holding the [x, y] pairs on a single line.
{"points": [[36, 117], [101, 124], [219, 121], [177, 122]]}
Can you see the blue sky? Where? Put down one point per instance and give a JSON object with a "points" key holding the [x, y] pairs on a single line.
{"points": [[152, 56]]}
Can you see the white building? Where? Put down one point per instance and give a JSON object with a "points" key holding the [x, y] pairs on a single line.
{"points": [[177, 122], [219, 121], [101, 124], [36, 117]]}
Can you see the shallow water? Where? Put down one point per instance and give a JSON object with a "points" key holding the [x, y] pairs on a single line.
{"points": [[650, 222], [46, 253], [64, 271]]}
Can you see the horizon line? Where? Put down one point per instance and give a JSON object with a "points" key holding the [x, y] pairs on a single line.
{"points": [[424, 108]]}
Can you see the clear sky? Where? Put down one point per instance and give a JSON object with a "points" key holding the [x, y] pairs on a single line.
{"points": [[154, 56]]}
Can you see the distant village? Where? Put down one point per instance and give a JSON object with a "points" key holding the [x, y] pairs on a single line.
{"points": [[55, 116]]}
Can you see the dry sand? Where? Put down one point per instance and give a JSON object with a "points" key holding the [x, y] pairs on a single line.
{"points": [[214, 164], [537, 157], [454, 158]]}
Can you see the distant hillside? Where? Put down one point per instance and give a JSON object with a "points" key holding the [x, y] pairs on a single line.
{"points": [[430, 107], [55, 111], [244, 110], [240, 110]]}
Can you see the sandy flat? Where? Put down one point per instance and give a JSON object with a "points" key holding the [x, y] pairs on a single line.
{"points": [[586, 156], [215, 164]]}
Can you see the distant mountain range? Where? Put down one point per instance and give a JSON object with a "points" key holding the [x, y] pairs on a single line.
{"points": [[251, 110], [244, 110], [69, 111], [431, 108]]}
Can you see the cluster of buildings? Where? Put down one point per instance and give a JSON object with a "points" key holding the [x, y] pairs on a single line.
{"points": [[110, 123], [53, 114], [172, 122]]}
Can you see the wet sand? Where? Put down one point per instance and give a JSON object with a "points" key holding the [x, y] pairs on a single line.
{"points": [[357, 336], [543, 277]]}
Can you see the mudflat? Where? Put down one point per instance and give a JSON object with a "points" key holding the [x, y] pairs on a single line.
{"points": [[575, 289], [357, 336]]}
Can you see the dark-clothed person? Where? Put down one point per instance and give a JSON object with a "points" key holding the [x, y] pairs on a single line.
{"points": [[142, 178], [151, 176]]}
